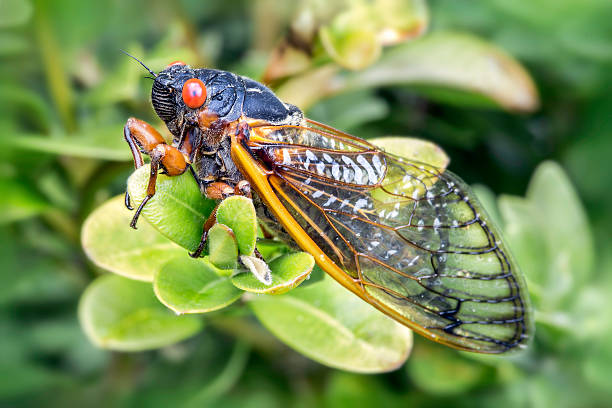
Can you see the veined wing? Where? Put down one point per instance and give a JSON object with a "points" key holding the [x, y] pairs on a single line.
{"points": [[408, 238]]}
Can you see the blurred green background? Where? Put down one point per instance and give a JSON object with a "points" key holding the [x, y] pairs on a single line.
{"points": [[540, 160]]}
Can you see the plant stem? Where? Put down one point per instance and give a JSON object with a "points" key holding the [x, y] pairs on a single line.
{"points": [[57, 78]]}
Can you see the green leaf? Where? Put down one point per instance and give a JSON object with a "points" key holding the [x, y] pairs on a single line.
{"points": [[366, 106], [19, 201], [222, 247], [359, 391], [25, 378], [413, 149], [188, 285], [14, 12], [454, 62], [441, 371], [111, 244], [451, 67], [20, 101], [225, 380], [12, 45], [329, 324], [178, 209], [288, 271], [349, 45], [489, 203], [270, 248], [238, 213], [105, 143], [121, 84], [122, 314], [550, 237], [526, 240], [596, 367], [563, 219], [356, 35]]}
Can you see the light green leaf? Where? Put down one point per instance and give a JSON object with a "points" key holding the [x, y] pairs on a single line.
{"points": [[111, 244], [188, 285], [178, 209], [550, 237], [350, 46], [452, 62], [222, 247], [526, 240], [563, 219], [356, 35], [329, 324], [399, 20], [414, 149], [13, 44], [122, 314], [488, 200], [450, 67], [14, 12], [288, 271], [238, 213]]}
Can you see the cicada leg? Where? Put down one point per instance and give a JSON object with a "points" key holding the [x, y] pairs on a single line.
{"points": [[143, 138]]}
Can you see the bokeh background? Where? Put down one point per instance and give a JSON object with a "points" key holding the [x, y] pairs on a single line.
{"points": [[540, 157]]}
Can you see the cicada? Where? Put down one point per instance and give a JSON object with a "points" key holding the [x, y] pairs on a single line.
{"points": [[410, 239]]}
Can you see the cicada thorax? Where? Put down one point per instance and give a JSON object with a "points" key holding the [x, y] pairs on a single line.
{"points": [[211, 141]]}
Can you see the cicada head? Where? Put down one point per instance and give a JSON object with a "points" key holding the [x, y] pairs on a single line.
{"points": [[182, 96]]}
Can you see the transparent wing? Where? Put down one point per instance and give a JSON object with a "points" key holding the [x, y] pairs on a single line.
{"points": [[414, 238]]}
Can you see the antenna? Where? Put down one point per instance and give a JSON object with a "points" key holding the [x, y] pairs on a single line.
{"points": [[140, 62]]}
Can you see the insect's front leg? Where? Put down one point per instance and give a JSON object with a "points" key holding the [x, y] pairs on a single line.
{"points": [[143, 138]]}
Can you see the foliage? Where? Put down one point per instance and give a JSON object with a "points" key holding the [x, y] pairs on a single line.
{"points": [[442, 71]]}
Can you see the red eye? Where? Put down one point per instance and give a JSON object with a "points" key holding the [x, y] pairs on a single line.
{"points": [[194, 93], [175, 63]]}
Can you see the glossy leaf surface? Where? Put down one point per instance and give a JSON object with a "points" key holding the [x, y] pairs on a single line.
{"points": [[329, 324], [177, 210], [122, 314], [111, 244], [188, 285]]}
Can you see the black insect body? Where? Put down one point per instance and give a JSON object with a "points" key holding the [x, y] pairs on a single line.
{"points": [[229, 98], [408, 238]]}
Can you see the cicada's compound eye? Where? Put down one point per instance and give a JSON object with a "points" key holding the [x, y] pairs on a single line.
{"points": [[194, 93], [163, 101]]}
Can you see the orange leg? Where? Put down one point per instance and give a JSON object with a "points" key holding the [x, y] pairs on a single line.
{"points": [[142, 137]]}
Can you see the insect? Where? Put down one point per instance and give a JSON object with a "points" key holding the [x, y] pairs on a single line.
{"points": [[410, 239]]}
